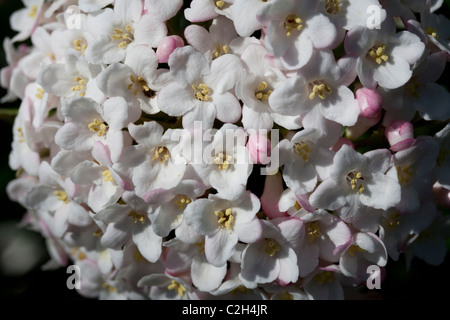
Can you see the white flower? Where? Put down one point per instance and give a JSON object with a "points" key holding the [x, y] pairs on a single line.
{"points": [[201, 91], [317, 90], [272, 258], [123, 222], [152, 163], [137, 79], [115, 30], [357, 181], [87, 122], [224, 223], [295, 29]]}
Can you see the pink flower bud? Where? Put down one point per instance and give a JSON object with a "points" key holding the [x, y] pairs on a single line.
{"points": [[259, 147], [400, 135], [166, 47], [370, 103]]}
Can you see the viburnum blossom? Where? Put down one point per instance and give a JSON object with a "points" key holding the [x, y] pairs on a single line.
{"points": [[237, 149]]}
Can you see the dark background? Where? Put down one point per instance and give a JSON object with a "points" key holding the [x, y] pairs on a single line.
{"points": [[422, 281]]}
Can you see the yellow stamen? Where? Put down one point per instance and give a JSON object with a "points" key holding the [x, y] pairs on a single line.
{"points": [[182, 201], [354, 249], [226, 219], [79, 45], [332, 6], [223, 161], [201, 92], [62, 196], [33, 11], [353, 178], [40, 93], [432, 32], [127, 36], [303, 150], [107, 176], [220, 50], [291, 23], [262, 93], [313, 230], [162, 154], [220, 4], [377, 52], [98, 127], [271, 247], [319, 88], [137, 217], [323, 277], [174, 285]]}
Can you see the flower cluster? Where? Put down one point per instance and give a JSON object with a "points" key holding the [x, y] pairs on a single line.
{"points": [[262, 149]]}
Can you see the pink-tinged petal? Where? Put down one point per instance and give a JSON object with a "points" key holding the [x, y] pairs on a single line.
{"points": [[205, 276], [167, 46], [273, 189], [220, 246]]}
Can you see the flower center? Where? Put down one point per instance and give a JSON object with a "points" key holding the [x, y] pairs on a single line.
{"points": [[262, 93], [98, 127], [323, 277], [303, 149], [162, 154], [137, 217], [182, 201], [377, 53], [225, 219], [180, 289], [404, 173], [125, 37], [354, 179], [62, 196], [332, 6], [220, 50], [318, 88], [40, 93], [432, 32], [392, 221], [201, 246], [271, 247], [139, 84], [223, 161], [80, 86], [79, 45], [201, 92], [354, 249], [291, 23], [313, 230]]}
